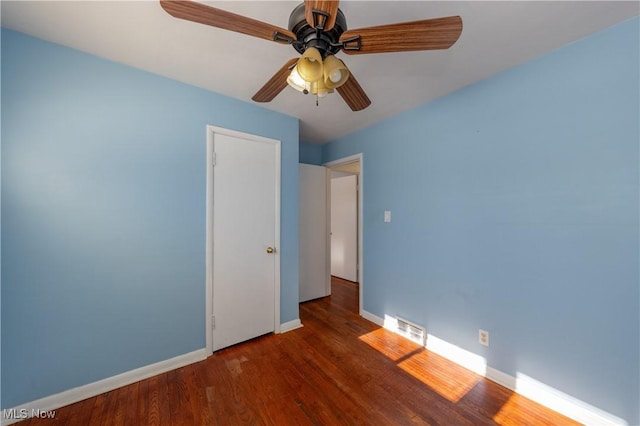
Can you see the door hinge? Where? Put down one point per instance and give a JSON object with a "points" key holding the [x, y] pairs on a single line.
{"points": [[213, 159], [213, 322]]}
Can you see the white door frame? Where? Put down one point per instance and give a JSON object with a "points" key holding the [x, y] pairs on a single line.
{"points": [[211, 131], [345, 160]]}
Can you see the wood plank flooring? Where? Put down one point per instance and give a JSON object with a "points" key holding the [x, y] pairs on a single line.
{"points": [[339, 369]]}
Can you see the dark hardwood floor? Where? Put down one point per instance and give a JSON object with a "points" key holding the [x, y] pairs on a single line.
{"points": [[339, 369]]}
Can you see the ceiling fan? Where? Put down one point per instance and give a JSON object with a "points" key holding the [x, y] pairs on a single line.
{"points": [[318, 30]]}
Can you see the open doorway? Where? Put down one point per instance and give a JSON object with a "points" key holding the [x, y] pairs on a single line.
{"points": [[346, 221]]}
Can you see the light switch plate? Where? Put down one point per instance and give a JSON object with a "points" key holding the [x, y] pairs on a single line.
{"points": [[387, 216]]}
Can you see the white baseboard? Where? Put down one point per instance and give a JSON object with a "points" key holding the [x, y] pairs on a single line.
{"points": [[373, 318], [536, 391], [290, 325], [554, 399], [53, 402], [526, 386]]}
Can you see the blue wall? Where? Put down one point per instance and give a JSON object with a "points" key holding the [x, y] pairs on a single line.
{"points": [[103, 211], [310, 153], [515, 210]]}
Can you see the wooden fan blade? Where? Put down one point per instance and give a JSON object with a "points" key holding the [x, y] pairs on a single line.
{"points": [[207, 15], [330, 7], [276, 84], [353, 94], [429, 34]]}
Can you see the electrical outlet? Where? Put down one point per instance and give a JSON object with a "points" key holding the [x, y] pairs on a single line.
{"points": [[483, 337]]}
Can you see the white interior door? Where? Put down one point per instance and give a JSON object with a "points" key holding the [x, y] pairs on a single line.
{"points": [[245, 255], [344, 227], [315, 280]]}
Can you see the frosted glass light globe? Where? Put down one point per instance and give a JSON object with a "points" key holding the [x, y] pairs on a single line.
{"points": [[335, 76]]}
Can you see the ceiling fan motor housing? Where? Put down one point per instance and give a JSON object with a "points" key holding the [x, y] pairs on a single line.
{"points": [[327, 42]]}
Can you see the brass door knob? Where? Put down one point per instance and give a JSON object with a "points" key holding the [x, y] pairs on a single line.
{"points": [[270, 250]]}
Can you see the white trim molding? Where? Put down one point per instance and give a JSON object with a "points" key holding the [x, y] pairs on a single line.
{"points": [[554, 399], [58, 400], [373, 318], [290, 325]]}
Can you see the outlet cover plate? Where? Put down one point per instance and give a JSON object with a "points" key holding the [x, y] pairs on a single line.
{"points": [[483, 337]]}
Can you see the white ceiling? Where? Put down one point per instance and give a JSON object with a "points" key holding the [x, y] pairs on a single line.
{"points": [[496, 35]]}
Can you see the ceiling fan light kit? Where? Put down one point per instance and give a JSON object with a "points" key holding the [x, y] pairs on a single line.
{"points": [[318, 31], [313, 75]]}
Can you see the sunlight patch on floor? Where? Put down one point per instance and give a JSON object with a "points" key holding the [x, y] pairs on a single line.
{"points": [[453, 372], [391, 345], [513, 412], [437, 374], [444, 377]]}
